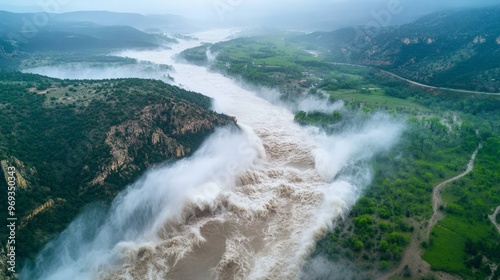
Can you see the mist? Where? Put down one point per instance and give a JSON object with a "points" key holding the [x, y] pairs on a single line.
{"points": [[255, 198], [89, 71], [250, 203], [313, 15], [321, 268], [93, 245]]}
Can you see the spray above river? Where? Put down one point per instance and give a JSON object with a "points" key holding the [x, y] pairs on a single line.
{"points": [[250, 204]]}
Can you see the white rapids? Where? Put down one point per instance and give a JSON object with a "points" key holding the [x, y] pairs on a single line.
{"points": [[250, 204]]}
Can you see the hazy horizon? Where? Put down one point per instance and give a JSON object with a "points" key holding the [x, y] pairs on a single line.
{"points": [[280, 12]]}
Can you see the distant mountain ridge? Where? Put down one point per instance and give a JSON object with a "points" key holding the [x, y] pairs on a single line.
{"points": [[24, 34], [455, 48], [138, 21]]}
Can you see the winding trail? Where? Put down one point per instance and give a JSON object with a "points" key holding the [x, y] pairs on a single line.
{"points": [[412, 256], [437, 200], [417, 83], [493, 218], [441, 88]]}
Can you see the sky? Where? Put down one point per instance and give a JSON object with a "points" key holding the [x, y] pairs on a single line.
{"points": [[344, 10]]}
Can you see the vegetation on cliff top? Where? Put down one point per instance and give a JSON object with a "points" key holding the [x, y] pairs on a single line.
{"points": [[77, 142]]}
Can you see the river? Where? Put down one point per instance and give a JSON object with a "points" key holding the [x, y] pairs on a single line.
{"points": [[250, 204]]}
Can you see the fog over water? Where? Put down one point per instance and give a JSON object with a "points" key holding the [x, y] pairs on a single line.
{"points": [[323, 14], [250, 204], [88, 71]]}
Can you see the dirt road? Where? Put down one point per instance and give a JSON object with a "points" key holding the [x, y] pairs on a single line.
{"points": [[412, 255], [436, 193], [417, 83], [441, 88], [493, 218]]}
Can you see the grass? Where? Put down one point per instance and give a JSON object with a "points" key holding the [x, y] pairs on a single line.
{"points": [[448, 237], [267, 51], [447, 251], [468, 201], [436, 146]]}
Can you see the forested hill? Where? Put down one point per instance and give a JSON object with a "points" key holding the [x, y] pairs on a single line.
{"points": [[75, 142], [141, 22], [434, 49], [22, 36]]}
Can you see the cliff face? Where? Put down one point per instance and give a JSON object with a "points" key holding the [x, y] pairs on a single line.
{"points": [[82, 142], [20, 181], [157, 128], [433, 50]]}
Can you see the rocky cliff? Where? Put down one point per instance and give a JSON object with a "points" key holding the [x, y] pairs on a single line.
{"points": [[80, 142]]}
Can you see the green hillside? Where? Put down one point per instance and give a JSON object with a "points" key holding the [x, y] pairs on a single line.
{"points": [[456, 48], [21, 40], [443, 128], [76, 142]]}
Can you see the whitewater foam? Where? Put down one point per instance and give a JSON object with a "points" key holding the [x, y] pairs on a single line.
{"points": [[250, 204]]}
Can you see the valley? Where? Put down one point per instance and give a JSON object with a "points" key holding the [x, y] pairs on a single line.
{"points": [[260, 154], [94, 153], [435, 146]]}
